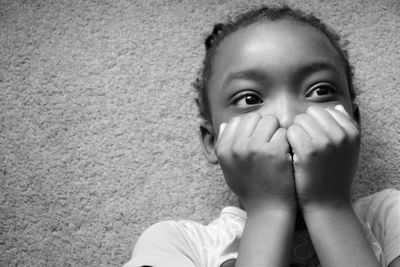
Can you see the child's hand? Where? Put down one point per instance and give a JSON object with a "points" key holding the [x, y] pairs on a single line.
{"points": [[325, 144], [253, 153]]}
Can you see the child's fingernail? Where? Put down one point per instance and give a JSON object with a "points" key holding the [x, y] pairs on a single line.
{"points": [[341, 109], [221, 128]]}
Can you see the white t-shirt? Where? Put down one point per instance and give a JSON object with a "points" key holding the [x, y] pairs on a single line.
{"points": [[187, 243]]}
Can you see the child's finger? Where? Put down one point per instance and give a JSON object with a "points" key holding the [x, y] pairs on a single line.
{"points": [[341, 109], [221, 128], [311, 127], [280, 139], [298, 139], [247, 125], [344, 119], [328, 123], [265, 129], [228, 131]]}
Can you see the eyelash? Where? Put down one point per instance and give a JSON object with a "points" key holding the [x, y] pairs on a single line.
{"points": [[243, 95], [332, 91]]}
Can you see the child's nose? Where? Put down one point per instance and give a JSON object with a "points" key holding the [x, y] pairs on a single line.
{"points": [[284, 108]]}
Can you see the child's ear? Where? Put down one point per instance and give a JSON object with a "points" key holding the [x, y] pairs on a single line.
{"points": [[356, 114], [208, 138]]}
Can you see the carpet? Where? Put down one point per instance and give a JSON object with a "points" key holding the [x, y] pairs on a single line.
{"points": [[99, 130]]}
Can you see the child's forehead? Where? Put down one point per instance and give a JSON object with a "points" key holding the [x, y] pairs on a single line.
{"points": [[275, 43], [281, 32]]}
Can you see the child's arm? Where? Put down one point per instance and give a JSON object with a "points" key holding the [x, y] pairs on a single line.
{"points": [[254, 155], [267, 237], [338, 237], [325, 145]]}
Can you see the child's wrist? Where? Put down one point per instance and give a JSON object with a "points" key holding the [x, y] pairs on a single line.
{"points": [[326, 210], [271, 207], [271, 216]]}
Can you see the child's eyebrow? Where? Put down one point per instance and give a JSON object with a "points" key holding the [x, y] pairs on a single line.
{"points": [[301, 70], [315, 66], [250, 74]]}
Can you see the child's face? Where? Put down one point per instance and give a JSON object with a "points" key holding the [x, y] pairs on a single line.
{"points": [[277, 68]]}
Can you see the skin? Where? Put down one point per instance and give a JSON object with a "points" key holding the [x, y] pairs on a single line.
{"points": [[281, 143]]}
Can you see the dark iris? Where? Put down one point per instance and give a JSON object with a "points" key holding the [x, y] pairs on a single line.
{"points": [[252, 100], [323, 90]]}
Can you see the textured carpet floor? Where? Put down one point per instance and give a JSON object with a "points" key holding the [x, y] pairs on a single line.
{"points": [[98, 129]]}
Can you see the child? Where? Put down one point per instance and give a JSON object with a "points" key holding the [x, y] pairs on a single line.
{"points": [[277, 101]]}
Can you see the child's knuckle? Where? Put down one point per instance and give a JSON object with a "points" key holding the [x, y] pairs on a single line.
{"points": [[222, 151], [299, 118], [340, 137], [329, 143], [272, 120], [311, 152], [254, 148], [354, 134], [252, 115], [239, 150], [273, 153]]}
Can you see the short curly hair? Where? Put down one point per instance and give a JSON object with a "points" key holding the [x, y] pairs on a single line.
{"points": [[222, 30]]}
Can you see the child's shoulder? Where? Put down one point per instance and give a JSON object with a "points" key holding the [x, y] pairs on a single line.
{"points": [[379, 199], [184, 242], [381, 203], [380, 215], [189, 229], [164, 244], [169, 232]]}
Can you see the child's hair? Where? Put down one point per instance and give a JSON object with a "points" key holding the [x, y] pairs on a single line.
{"points": [[220, 31]]}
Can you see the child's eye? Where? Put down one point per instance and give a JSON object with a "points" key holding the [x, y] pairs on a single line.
{"points": [[247, 99], [321, 90]]}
